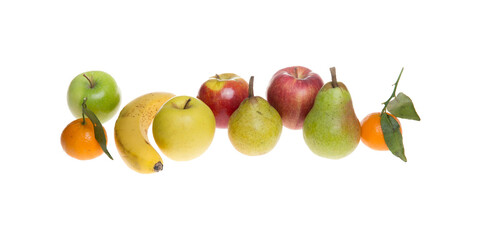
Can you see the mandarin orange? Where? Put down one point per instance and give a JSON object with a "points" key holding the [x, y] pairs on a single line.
{"points": [[78, 140], [372, 134]]}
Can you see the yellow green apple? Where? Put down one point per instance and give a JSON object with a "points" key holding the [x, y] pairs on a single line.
{"points": [[184, 128]]}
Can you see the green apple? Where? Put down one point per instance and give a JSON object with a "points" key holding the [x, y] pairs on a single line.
{"points": [[183, 128], [101, 91]]}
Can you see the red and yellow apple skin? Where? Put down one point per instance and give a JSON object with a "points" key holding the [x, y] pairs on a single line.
{"points": [[223, 93], [292, 92]]}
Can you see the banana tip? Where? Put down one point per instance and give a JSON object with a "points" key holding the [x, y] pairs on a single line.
{"points": [[158, 167]]}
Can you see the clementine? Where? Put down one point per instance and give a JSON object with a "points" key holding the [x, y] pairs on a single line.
{"points": [[78, 140], [372, 134]]}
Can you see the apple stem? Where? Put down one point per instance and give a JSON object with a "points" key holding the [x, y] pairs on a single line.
{"points": [[218, 77], [250, 87], [334, 77], [90, 81], [188, 101], [296, 72]]}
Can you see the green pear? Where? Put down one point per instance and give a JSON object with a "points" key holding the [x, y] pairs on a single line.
{"points": [[331, 128], [255, 127]]}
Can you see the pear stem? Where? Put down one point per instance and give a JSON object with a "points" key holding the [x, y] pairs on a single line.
{"points": [[394, 91], [250, 87], [218, 77], [296, 72], [334, 77], [90, 81], [188, 101]]}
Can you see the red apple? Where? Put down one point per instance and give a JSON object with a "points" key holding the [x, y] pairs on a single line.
{"points": [[292, 92], [223, 94]]}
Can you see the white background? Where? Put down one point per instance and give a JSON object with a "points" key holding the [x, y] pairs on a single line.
{"points": [[289, 193]]}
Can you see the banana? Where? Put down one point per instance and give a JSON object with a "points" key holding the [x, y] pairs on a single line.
{"points": [[131, 132]]}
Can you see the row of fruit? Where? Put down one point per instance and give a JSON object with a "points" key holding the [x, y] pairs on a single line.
{"points": [[184, 126]]}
